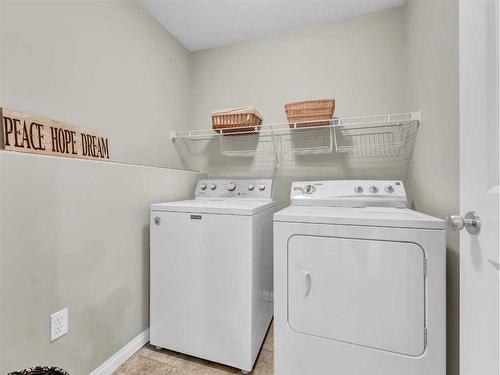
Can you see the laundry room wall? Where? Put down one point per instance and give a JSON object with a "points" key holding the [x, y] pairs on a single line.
{"points": [[103, 65], [74, 233], [432, 73], [357, 61]]}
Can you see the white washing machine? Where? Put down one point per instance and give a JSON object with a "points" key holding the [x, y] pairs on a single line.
{"points": [[211, 281], [359, 282]]}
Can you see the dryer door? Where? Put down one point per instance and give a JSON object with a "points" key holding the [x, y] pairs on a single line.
{"points": [[363, 292]]}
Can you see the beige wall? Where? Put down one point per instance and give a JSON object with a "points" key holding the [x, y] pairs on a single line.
{"points": [[357, 61], [105, 65], [75, 233], [431, 41]]}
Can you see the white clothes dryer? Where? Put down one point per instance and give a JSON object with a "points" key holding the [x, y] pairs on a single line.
{"points": [[211, 271], [359, 282]]}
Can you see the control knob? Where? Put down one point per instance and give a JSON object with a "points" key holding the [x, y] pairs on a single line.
{"points": [[203, 186], [358, 189], [373, 189], [308, 189], [213, 186], [251, 187], [231, 187], [262, 187], [389, 189]]}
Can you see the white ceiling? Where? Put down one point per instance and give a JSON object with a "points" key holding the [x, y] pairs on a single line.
{"points": [[200, 24]]}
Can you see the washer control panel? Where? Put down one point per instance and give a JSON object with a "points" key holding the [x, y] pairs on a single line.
{"points": [[254, 189], [349, 193]]}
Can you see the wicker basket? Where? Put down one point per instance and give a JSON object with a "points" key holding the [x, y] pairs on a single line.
{"points": [[236, 121], [310, 113]]}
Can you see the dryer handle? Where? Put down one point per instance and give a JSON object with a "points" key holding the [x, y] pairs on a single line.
{"points": [[308, 278]]}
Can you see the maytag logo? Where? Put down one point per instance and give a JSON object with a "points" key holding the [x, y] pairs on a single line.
{"points": [[196, 217]]}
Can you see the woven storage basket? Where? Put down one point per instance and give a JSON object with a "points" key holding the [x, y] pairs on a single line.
{"points": [[310, 113], [234, 121]]}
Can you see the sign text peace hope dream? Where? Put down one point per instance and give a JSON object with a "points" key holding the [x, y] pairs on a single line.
{"points": [[27, 133]]}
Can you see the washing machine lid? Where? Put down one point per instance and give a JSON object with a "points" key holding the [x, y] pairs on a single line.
{"points": [[365, 216], [215, 206]]}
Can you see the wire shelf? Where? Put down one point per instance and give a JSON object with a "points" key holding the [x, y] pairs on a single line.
{"points": [[352, 134], [246, 146], [383, 132], [307, 141]]}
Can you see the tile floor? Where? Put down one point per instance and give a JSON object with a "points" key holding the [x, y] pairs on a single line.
{"points": [[150, 360]]}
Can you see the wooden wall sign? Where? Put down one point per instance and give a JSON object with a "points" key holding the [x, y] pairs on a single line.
{"points": [[33, 134]]}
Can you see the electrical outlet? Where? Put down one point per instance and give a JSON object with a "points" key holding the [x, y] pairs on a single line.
{"points": [[58, 324]]}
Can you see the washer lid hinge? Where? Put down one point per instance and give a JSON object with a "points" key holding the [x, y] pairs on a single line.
{"points": [[425, 267]]}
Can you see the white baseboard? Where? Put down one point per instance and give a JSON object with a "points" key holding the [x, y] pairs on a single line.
{"points": [[121, 356]]}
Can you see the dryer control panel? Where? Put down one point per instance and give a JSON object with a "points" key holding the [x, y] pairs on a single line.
{"points": [[349, 193], [244, 188]]}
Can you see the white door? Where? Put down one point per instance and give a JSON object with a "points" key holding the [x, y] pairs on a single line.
{"points": [[479, 189], [363, 292]]}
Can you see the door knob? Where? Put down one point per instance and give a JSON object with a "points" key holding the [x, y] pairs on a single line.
{"points": [[470, 221]]}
